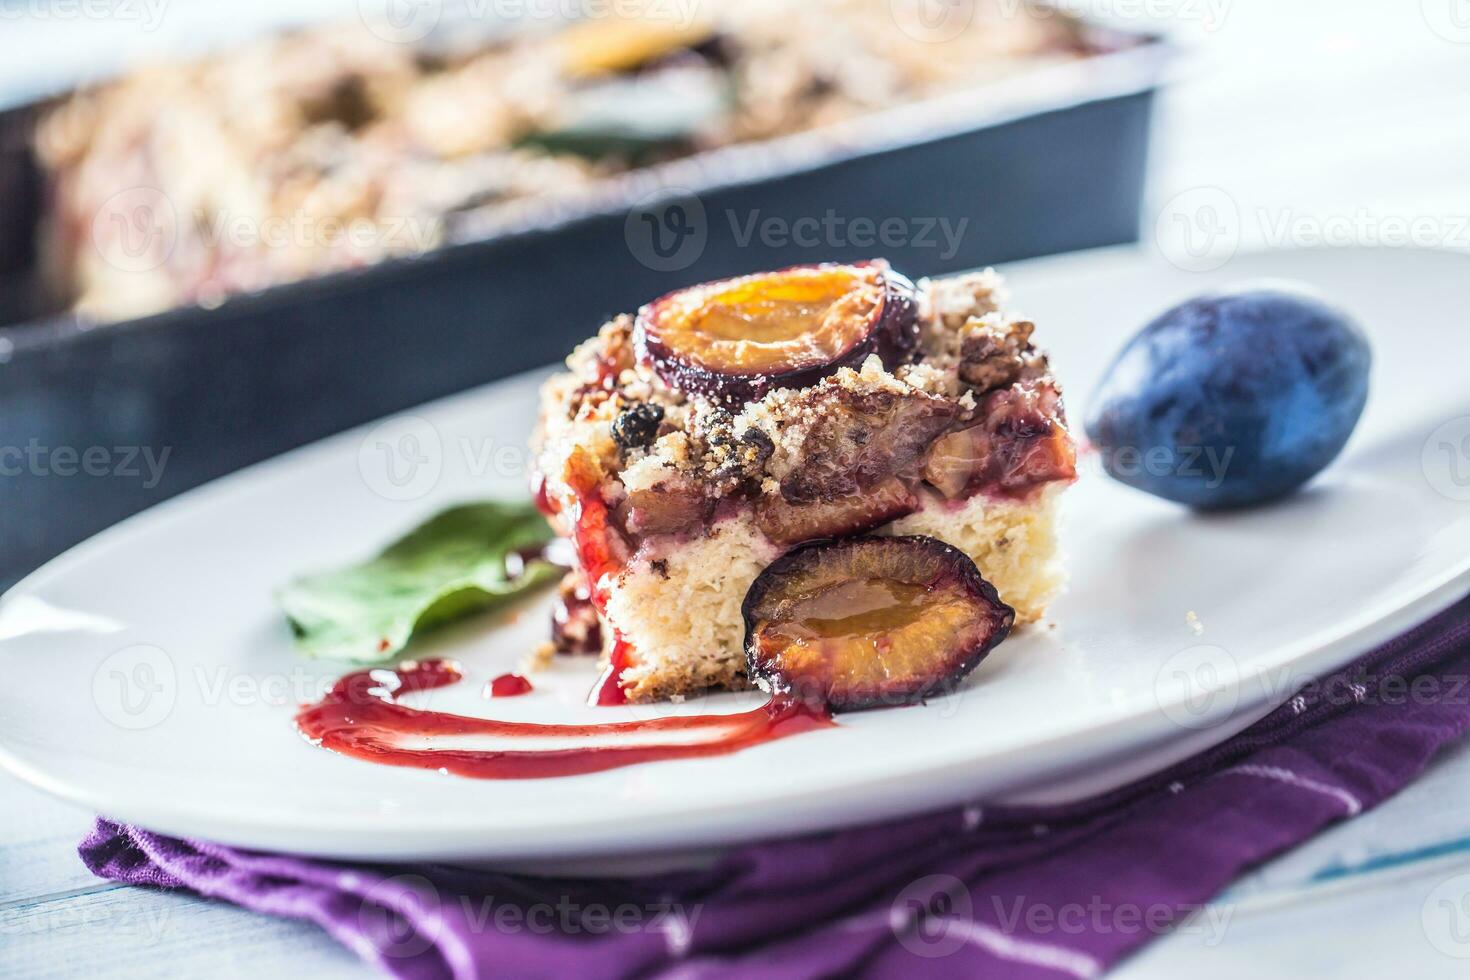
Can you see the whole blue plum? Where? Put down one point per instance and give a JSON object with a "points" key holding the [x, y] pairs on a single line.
{"points": [[1233, 398]]}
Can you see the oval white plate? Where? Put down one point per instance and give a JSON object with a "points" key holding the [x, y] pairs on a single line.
{"points": [[147, 674]]}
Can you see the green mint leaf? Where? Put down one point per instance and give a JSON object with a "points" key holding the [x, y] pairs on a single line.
{"points": [[448, 568]]}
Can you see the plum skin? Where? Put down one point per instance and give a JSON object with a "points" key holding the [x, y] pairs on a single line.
{"points": [[893, 336], [1233, 398], [949, 567]]}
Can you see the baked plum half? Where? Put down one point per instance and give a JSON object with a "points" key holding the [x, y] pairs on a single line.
{"points": [[870, 621], [736, 339]]}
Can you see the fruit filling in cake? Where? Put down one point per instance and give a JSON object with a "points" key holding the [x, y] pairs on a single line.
{"points": [[823, 476]]}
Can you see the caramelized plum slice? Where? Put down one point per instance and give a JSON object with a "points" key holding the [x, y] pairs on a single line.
{"points": [[671, 507], [1019, 442], [787, 523], [870, 621], [955, 460], [737, 339]]}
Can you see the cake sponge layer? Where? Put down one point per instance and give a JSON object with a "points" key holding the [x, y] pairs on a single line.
{"points": [[1013, 543], [680, 608]]}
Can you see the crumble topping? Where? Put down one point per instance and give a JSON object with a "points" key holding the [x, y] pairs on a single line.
{"points": [[946, 304], [666, 456], [996, 353]]}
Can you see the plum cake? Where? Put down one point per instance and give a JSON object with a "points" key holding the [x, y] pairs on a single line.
{"points": [[825, 469]]}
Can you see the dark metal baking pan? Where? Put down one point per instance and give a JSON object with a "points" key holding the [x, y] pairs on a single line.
{"points": [[1045, 162]]}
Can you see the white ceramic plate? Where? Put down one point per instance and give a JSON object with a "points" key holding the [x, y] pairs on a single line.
{"points": [[148, 676]]}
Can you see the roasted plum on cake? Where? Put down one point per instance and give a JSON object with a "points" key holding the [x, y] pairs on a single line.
{"points": [[825, 480], [868, 621], [733, 341]]}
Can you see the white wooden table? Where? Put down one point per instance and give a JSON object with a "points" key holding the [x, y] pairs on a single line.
{"points": [[1313, 117]]}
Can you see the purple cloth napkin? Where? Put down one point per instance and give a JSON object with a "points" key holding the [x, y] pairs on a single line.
{"points": [[1052, 892]]}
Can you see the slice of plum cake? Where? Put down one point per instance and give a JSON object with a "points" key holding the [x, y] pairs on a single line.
{"points": [[688, 448]]}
